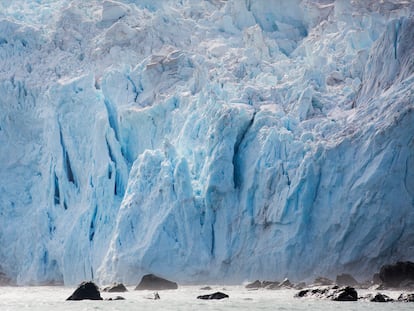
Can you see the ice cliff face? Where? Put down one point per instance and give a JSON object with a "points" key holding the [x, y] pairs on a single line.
{"points": [[205, 140]]}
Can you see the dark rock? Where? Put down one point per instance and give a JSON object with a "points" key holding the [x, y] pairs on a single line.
{"points": [[115, 288], [393, 275], [406, 297], [217, 295], [267, 284], [333, 293], [255, 284], [271, 284], [378, 297], [286, 284], [346, 280], [345, 294], [153, 282], [313, 292], [322, 281], [302, 293], [381, 298], [116, 298], [86, 290]]}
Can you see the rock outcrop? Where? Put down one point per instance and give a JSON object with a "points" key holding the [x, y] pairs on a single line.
{"points": [[400, 274], [153, 282], [333, 293], [115, 288], [86, 290]]}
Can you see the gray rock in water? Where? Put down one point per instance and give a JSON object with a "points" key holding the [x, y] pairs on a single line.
{"points": [[345, 294], [378, 297], [217, 295], [86, 290], [115, 288], [153, 282], [314, 292], [271, 285], [256, 284], [333, 293], [406, 297]]}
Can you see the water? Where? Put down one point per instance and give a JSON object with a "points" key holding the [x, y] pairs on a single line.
{"points": [[53, 298]]}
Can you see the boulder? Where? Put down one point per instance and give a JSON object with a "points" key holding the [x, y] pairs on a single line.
{"points": [[115, 288], [267, 284], [314, 292], [393, 275], [271, 284], [86, 290], [153, 282], [333, 293], [345, 294], [378, 297], [256, 284], [216, 295], [406, 297], [346, 280]]}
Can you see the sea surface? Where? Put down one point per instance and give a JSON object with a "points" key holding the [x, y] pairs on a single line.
{"points": [[54, 298]]}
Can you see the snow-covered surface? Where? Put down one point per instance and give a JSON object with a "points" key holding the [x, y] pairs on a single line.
{"points": [[205, 140]]}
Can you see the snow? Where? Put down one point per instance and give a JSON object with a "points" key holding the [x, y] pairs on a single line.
{"points": [[205, 141]]}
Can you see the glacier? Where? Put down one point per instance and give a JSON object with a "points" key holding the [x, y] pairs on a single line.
{"points": [[205, 141]]}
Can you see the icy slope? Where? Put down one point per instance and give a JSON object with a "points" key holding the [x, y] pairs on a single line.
{"points": [[205, 140]]}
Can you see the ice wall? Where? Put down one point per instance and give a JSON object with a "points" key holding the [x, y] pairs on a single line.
{"points": [[205, 141]]}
